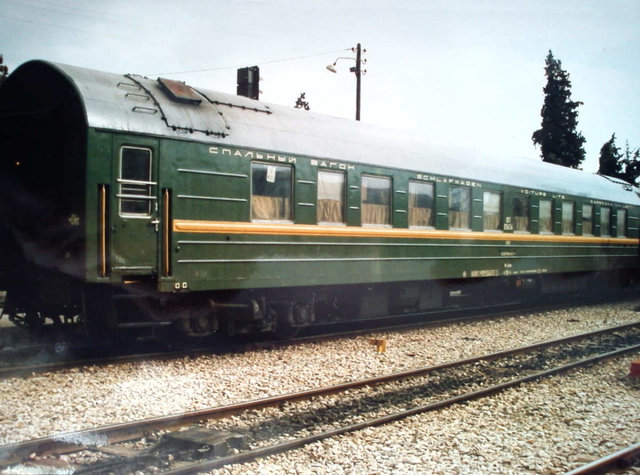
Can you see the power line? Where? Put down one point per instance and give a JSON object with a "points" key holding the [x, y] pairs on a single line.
{"points": [[57, 8], [80, 30], [61, 27], [221, 68]]}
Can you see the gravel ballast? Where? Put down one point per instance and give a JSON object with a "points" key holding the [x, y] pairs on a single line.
{"points": [[544, 428], [582, 414]]}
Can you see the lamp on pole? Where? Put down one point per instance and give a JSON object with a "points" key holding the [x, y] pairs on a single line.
{"points": [[357, 70]]}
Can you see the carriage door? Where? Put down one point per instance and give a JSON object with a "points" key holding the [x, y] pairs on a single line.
{"points": [[135, 218]]}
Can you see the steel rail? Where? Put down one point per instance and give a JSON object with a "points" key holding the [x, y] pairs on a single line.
{"points": [[297, 443], [9, 371], [616, 460], [71, 441]]}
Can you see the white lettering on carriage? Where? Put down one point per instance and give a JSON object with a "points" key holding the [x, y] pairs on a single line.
{"points": [[335, 165], [252, 154], [449, 180]]}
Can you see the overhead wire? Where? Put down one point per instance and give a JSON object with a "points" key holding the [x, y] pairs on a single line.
{"points": [[64, 9], [281, 60], [52, 25], [168, 73], [45, 5]]}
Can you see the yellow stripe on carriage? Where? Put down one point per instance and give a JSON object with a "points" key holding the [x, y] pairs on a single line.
{"points": [[225, 227]]}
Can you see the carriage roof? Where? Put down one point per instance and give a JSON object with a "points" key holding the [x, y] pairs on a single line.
{"points": [[167, 108]]}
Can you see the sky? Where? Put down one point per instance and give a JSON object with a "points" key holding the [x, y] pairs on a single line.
{"points": [[463, 73]]}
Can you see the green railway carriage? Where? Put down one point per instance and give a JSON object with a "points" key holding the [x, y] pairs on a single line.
{"points": [[133, 201]]}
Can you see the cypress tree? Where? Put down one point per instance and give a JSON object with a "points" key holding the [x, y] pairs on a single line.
{"points": [[4, 71], [610, 159], [557, 137], [631, 163]]}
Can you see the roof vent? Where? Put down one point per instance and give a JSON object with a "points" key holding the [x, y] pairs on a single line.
{"points": [[178, 91]]}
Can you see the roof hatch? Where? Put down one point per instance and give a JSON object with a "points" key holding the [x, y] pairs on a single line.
{"points": [[179, 91], [181, 107]]}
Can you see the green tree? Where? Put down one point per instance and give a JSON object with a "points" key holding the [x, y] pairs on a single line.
{"points": [[301, 102], [631, 162], [4, 70], [610, 159], [557, 137]]}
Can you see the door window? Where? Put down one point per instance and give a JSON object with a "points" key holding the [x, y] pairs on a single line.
{"points": [[135, 182]]}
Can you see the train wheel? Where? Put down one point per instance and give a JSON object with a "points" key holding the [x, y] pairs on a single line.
{"points": [[35, 320], [30, 319], [286, 331], [18, 319], [97, 318], [284, 328]]}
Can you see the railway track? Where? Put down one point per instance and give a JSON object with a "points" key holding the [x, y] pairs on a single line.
{"points": [[619, 460], [203, 440]]}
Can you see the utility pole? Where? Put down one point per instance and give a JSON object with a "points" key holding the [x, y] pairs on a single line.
{"points": [[358, 71]]}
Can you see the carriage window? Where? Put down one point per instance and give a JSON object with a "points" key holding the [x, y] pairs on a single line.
{"points": [[605, 221], [568, 209], [587, 220], [135, 182], [459, 207], [492, 211], [521, 213], [621, 223], [376, 200], [271, 192], [330, 197], [421, 204], [546, 216]]}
